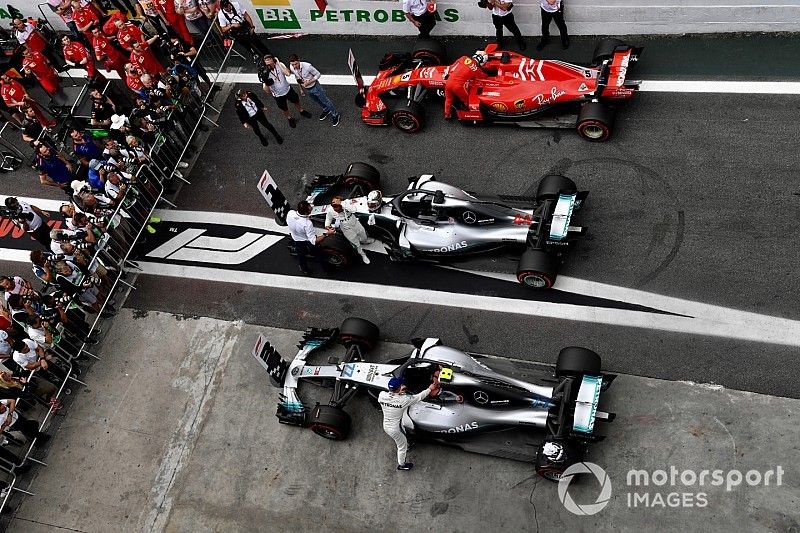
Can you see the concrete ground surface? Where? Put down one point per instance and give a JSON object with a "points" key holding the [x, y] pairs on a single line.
{"points": [[176, 432]]}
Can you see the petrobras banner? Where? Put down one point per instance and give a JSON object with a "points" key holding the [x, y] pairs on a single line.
{"points": [[464, 17]]}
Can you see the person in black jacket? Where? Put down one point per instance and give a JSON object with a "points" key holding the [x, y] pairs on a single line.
{"points": [[251, 111]]}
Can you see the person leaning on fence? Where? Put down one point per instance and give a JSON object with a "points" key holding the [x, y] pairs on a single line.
{"points": [[422, 14], [250, 111], [236, 23], [308, 78], [54, 169], [190, 9], [553, 10], [30, 218]]}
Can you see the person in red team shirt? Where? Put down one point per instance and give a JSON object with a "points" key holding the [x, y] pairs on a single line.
{"points": [[107, 54], [127, 33], [143, 57], [459, 77], [78, 55], [85, 18], [133, 80], [175, 20], [35, 63], [15, 96]]}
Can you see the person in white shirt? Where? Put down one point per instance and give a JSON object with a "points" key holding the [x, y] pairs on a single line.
{"points": [[30, 218], [11, 420], [273, 79], [394, 404], [305, 237], [553, 10], [308, 78], [422, 14], [502, 15], [341, 216], [236, 23]]}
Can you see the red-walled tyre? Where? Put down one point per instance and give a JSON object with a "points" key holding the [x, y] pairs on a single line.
{"points": [[537, 269], [595, 121], [407, 117], [330, 422]]}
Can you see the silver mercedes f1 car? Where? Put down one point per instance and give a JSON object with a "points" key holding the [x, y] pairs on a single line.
{"points": [[543, 417], [434, 221]]}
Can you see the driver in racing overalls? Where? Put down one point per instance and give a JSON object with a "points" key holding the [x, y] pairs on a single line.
{"points": [[395, 403], [459, 78], [339, 215]]}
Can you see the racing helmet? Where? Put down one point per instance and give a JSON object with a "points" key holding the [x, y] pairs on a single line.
{"points": [[395, 383], [554, 451], [374, 200], [480, 57]]}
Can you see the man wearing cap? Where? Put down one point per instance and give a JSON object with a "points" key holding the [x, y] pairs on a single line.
{"points": [[339, 215], [30, 218], [395, 403]]}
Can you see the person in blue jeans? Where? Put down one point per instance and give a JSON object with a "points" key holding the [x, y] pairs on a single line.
{"points": [[308, 78]]}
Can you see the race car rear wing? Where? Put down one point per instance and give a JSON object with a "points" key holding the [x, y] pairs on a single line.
{"points": [[575, 413], [612, 81]]}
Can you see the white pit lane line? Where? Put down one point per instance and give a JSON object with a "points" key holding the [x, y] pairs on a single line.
{"points": [[700, 318], [652, 86]]}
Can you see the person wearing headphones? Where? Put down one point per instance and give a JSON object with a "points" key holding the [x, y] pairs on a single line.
{"points": [[394, 404]]}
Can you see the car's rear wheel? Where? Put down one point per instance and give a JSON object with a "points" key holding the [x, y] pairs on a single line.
{"points": [[595, 121], [576, 361], [358, 331], [430, 51], [337, 250], [605, 50], [407, 116], [553, 185], [330, 422], [362, 174], [537, 269]]}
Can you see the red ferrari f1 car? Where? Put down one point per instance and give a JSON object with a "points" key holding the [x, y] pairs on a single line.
{"points": [[501, 86]]}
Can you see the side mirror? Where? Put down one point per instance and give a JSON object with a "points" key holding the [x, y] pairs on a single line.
{"points": [[438, 197]]}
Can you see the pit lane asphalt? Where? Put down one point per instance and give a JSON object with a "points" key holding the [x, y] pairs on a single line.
{"points": [[693, 197]]}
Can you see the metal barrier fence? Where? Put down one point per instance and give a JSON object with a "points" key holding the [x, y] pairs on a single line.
{"points": [[84, 312]]}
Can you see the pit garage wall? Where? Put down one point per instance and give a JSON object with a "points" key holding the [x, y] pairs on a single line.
{"points": [[461, 17], [587, 17]]}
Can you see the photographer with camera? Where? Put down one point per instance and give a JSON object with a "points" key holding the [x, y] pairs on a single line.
{"points": [[272, 74], [422, 14], [236, 23], [30, 218], [502, 15]]}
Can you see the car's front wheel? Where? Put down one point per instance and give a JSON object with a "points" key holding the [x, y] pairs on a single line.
{"points": [[407, 116], [360, 332], [337, 250], [330, 422]]}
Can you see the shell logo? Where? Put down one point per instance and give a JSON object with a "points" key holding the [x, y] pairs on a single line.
{"points": [[499, 106]]}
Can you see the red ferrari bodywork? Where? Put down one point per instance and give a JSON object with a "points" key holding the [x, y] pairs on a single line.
{"points": [[518, 88]]}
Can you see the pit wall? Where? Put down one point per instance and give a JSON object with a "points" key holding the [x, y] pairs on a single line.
{"points": [[583, 17]]}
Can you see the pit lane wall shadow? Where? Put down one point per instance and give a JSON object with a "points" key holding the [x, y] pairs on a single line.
{"points": [[464, 17]]}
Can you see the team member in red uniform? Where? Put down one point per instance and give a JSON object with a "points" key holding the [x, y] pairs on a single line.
{"points": [[35, 63], [133, 80], [459, 77], [107, 54], [175, 20], [85, 18], [15, 96], [143, 57], [127, 33], [77, 55], [27, 34]]}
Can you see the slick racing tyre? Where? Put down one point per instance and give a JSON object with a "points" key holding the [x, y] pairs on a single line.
{"points": [[337, 250], [552, 185], [363, 174], [358, 331], [595, 121], [605, 50], [576, 361], [430, 51], [537, 269], [407, 116], [330, 422]]}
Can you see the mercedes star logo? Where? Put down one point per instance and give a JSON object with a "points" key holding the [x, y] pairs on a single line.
{"points": [[469, 217], [481, 397]]}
